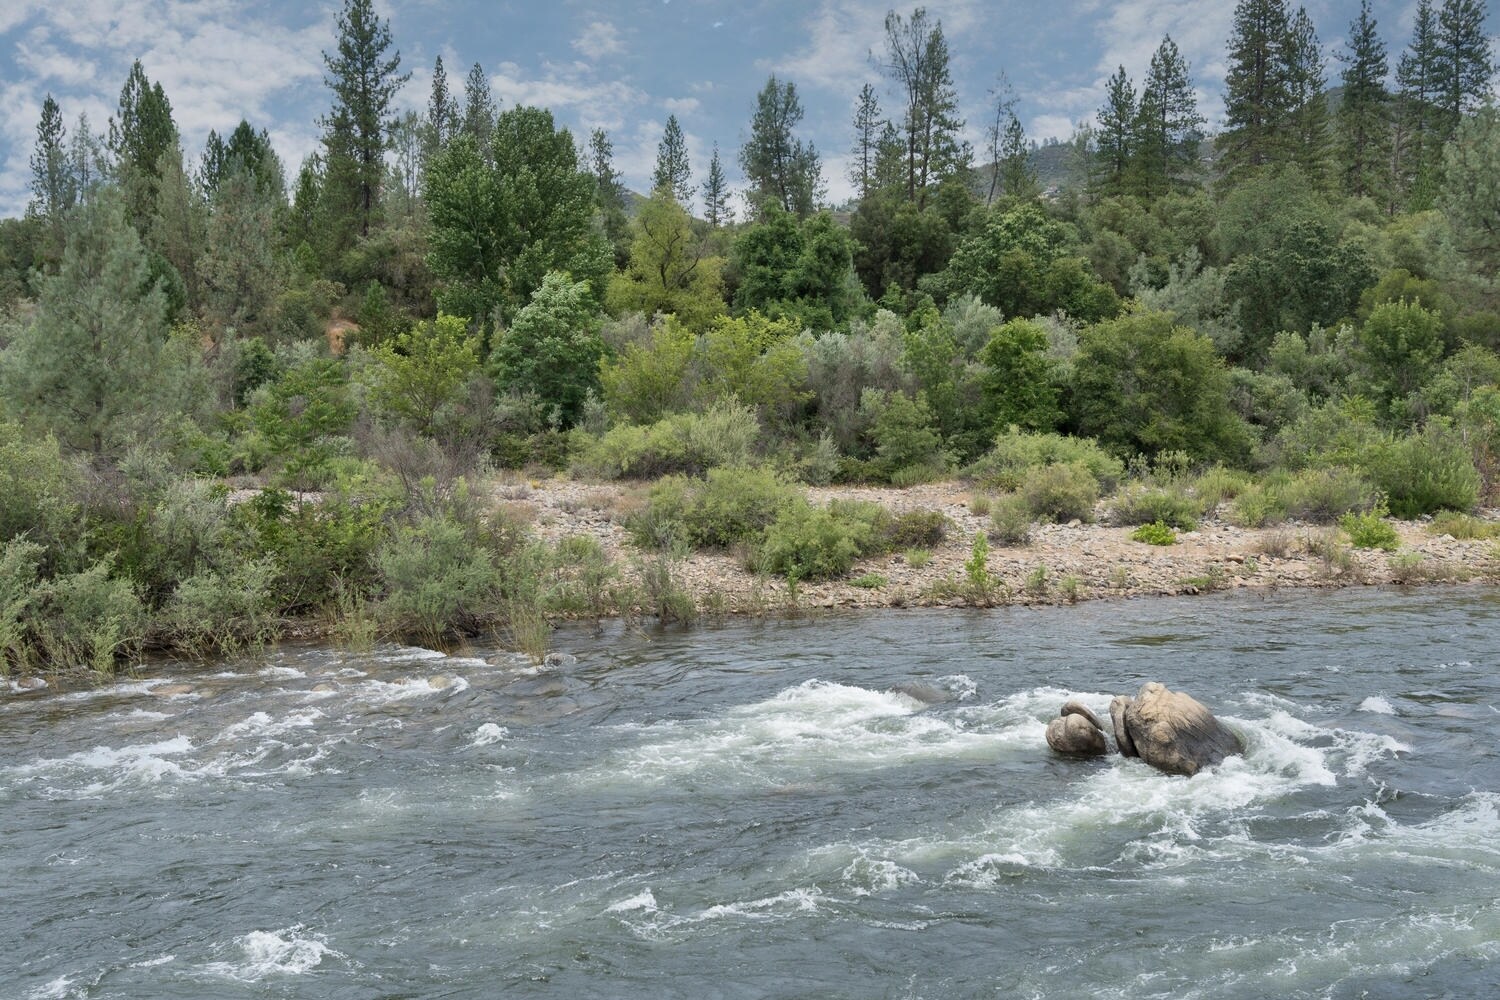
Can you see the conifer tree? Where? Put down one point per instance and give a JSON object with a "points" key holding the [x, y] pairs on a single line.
{"points": [[479, 111], [917, 60], [1462, 65], [1309, 103], [138, 136], [609, 194], [245, 147], [1257, 89], [867, 123], [238, 271], [716, 208], [442, 113], [1418, 143], [781, 170], [1003, 102], [1168, 124], [1364, 115], [79, 368], [1017, 177], [364, 80], [88, 159], [1117, 121], [672, 173], [51, 179]]}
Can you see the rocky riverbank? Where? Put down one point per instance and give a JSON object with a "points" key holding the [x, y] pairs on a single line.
{"points": [[1063, 563]]}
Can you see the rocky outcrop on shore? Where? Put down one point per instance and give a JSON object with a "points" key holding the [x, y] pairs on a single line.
{"points": [[1062, 564]]}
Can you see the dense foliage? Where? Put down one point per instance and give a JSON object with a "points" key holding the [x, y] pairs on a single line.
{"points": [[1309, 295]]}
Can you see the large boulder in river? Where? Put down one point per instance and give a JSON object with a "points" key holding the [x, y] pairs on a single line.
{"points": [[1171, 731], [1076, 732]]}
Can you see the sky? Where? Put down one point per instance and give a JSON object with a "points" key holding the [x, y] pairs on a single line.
{"points": [[622, 66]]}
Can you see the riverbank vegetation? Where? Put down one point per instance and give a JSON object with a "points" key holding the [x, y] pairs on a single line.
{"points": [[236, 398]]}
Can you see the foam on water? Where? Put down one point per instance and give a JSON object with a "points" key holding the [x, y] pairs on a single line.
{"points": [[643, 900], [816, 726], [1378, 705], [290, 951], [488, 734], [280, 673], [261, 725]]}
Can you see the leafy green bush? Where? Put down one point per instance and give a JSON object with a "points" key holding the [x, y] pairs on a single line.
{"points": [[808, 543], [1010, 520], [1061, 492], [436, 579], [39, 490], [869, 581], [224, 609], [1142, 503], [908, 445], [1155, 533], [1217, 484], [1370, 530], [1425, 473], [1324, 495], [1017, 452], [728, 506], [687, 443], [1258, 506], [88, 619]]}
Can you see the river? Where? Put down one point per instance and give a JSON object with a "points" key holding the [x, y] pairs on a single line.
{"points": [[751, 810]]}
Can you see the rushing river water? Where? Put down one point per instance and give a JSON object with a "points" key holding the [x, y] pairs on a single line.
{"points": [[752, 811]]}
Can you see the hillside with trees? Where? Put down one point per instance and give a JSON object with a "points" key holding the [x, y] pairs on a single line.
{"points": [[239, 392]]}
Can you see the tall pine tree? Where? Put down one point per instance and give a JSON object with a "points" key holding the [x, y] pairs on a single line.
{"points": [[442, 114], [479, 111], [867, 123], [672, 173], [1257, 89], [609, 194], [917, 60], [716, 207], [1463, 63], [1017, 177], [1168, 125], [1116, 133], [139, 135], [1364, 126], [364, 79], [1417, 139], [1309, 101], [782, 171]]}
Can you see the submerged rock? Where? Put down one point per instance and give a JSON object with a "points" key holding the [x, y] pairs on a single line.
{"points": [[171, 690]]}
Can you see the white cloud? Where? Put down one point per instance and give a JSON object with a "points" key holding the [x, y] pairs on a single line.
{"points": [[598, 103], [599, 39], [1133, 29], [846, 40], [681, 105]]}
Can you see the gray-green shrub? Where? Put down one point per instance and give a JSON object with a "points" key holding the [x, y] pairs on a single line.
{"points": [[1017, 452], [1061, 492], [686, 443]]}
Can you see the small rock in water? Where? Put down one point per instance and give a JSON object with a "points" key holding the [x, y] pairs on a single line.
{"points": [[171, 690], [324, 687], [32, 683], [439, 681]]}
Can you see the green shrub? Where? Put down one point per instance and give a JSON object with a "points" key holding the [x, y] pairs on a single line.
{"points": [[917, 558], [686, 443], [980, 504], [728, 506], [1370, 530], [870, 581], [1465, 527], [88, 619], [224, 609], [437, 579], [1258, 506], [663, 594], [1155, 533], [808, 543], [1061, 492], [39, 490], [1141, 503], [321, 548], [908, 445], [1010, 520], [1322, 496], [979, 582], [1425, 473], [1016, 453], [1217, 484], [914, 529]]}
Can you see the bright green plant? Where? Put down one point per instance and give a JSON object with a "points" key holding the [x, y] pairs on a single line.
{"points": [[1155, 533], [1370, 530], [420, 372], [1061, 492]]}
